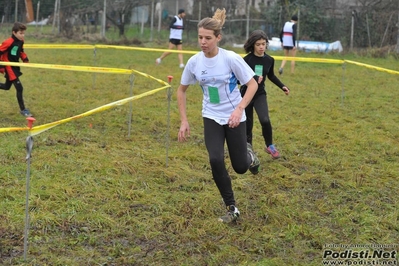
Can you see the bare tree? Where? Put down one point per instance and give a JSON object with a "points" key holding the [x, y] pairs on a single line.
{"points": [[119, 10], [6, 10]]}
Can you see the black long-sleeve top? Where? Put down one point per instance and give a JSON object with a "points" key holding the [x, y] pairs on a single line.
{"points": [[266, 64]]}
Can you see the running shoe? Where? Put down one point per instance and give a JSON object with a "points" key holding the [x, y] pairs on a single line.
{"points": [[26, 113], [158, 61], [255, 163], [272, 151], [232, 215]]}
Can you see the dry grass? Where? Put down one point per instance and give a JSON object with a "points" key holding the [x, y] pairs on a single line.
{"points": [[99, 197]]}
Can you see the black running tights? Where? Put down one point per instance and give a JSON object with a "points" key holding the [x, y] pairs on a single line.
{"points": [[18, 86], [215, 137]]}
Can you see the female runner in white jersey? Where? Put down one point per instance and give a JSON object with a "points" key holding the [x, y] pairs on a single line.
{"points": [[288, 42], [223, 109]]}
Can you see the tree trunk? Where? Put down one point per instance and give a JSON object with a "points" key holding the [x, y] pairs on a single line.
{"points": [[121, 29], [7, 11], [397, 39]]}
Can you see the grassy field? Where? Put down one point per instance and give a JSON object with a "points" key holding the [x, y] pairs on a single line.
{"points": [[101, 197]]}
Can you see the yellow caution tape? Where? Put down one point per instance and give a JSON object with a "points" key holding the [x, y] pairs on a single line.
{"points": [[73, 46], [305, 59], [12, 129], [59, 46], [39, 129], [373, 67], [72, 68], [86, 69], [301, 59]]}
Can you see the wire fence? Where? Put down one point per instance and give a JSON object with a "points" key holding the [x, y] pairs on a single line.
{"points": [[362, 28]]}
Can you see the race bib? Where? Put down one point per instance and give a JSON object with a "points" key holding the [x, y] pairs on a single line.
{"points": [[259, 70], [14, 50], [213, 95]]}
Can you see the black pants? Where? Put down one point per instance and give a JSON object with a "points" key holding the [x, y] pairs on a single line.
{"points": [[235, 138], [18, 86], [259, 103]]}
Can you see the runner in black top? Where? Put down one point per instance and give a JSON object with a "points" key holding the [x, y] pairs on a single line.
{"points": [[263, 65], [11, 50]]}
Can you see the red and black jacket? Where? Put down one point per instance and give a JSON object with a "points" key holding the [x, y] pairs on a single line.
{"points": [[11, 50]]}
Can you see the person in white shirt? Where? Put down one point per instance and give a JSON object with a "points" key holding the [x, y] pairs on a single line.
{"points": [[175, 37], [288, 42], [223, 108]]}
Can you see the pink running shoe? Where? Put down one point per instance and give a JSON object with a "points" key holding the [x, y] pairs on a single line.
{"points": [[272, 151]]}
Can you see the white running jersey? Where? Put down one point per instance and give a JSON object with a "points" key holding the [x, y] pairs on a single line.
{"points": [[177, 33], [218, 77], [288, 32]]}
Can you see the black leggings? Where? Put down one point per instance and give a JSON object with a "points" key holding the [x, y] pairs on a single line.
{"points": [[259, 102], [215, 137], [18, 86]]}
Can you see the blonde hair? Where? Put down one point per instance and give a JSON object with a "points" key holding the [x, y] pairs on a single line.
{"points": [[215, 23]]}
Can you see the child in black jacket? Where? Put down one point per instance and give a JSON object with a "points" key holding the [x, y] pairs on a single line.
{"points": [[11, 50]]}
